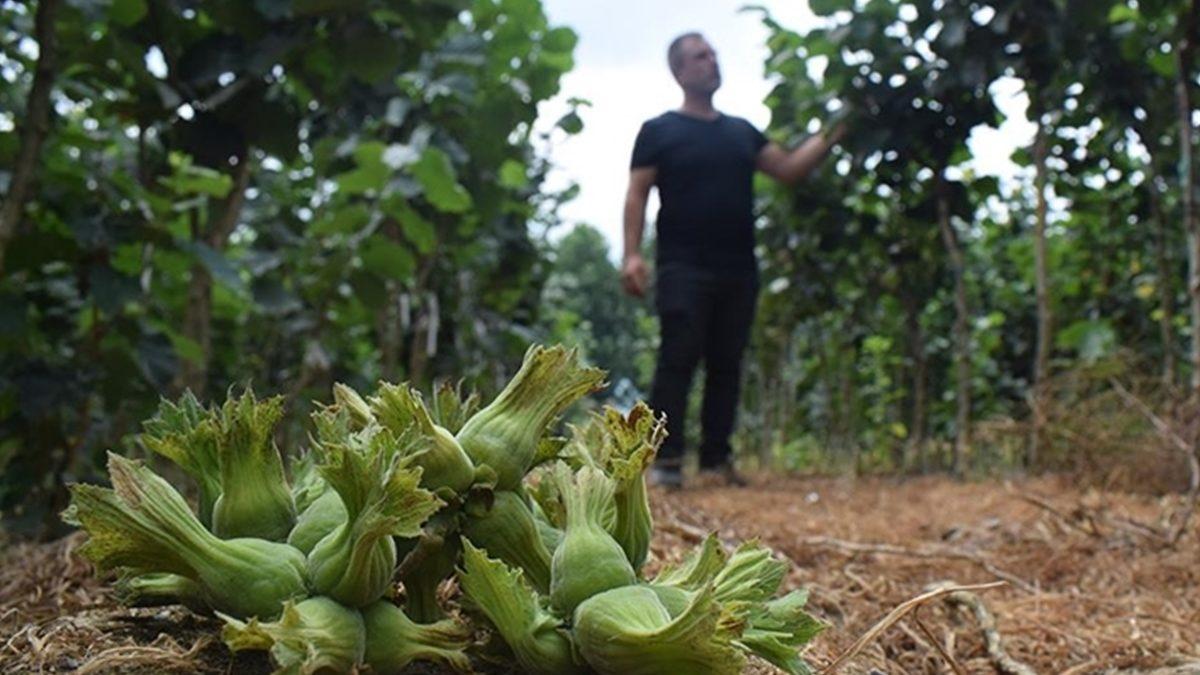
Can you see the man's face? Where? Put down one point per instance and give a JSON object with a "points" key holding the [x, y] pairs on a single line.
{"points": [[699, 71]]}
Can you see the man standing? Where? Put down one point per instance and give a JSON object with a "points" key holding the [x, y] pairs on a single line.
{"points": [[703, 163]]}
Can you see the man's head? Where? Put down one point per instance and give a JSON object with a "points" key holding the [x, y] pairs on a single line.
{"points": [[694, 64]]}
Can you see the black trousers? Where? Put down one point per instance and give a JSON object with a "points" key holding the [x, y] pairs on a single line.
{"points": [[703, 314]]}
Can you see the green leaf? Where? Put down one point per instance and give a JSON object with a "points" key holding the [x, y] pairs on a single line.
{"points": [[325, 151], [436, 176], [187, 348], [1092, 339], [368, 53], [562, 62], [372, 172], [826, 7], [387, 259], [217, 264], [1163, 63], [1122, 12], [188, 179], [561, 39], [346, 220], [416, 229], [512, 174], [961, 155], [571, 123], [127, 12], [111, 290], [526, 13]]}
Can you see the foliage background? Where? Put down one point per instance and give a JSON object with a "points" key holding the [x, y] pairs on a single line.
{"points": [[291, 193]]}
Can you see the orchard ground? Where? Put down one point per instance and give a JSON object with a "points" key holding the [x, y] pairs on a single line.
{"points": [[1091, 585]]}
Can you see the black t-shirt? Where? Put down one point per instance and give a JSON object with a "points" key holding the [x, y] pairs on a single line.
{"points": [[705, 184]]}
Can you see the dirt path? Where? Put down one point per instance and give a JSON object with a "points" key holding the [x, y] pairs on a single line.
{"points": [[1088, 591]]}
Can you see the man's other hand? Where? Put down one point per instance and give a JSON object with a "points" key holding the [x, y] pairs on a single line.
{"points": [[634, 275]]}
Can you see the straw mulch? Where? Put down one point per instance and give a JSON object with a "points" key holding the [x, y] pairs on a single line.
{"points": [[1091, 584]]}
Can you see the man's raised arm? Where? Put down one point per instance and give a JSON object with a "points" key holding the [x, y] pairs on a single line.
{"points": [[789, 167], [634, 273]]}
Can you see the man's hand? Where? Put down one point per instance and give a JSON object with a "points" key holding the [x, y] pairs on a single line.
{"points": [[634, 275]]}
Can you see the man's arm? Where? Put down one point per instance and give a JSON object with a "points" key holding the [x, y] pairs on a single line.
{"points": [[789, 167], [634, 273]]}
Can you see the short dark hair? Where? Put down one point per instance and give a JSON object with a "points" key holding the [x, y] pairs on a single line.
{"points": [[675, 51]]}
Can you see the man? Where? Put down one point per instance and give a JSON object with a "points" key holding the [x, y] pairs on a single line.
{"points": [[703, 163]]}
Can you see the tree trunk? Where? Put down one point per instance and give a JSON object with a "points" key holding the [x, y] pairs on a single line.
{"points": [[424, 339], [1187, 171], [962, 334], [388, 329], [825, 386], [197, 319], [846, 387], [766, 406], [197, 327], [782, 402], [427, 324], [36, 126], [1166, 290], [773, 401], [914, 452], [1045, 317]]}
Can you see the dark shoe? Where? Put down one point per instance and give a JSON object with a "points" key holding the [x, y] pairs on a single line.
{"points": [[721, 475], [668, 476]]}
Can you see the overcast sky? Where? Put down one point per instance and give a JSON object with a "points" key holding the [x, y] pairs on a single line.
{"points": [[620, 66]]}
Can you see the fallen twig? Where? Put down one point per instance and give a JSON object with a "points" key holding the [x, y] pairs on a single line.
{"points": [[946, 655], [27, 628], [1115, 521], [1137, 528], [987, 624], [688, 532], [696, 534], [891, 549], [1181, 669], [895, 615], [1049, 508]]}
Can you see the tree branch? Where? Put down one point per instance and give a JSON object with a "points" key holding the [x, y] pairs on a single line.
{"points": [[991, 636], [894, 616], [1186, 449], [37, 123]]}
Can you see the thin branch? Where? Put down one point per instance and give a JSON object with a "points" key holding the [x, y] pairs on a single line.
{"points": [[1182, 669], [1046, 506], [891, 549], [946, 655], [1159, 423], [895, 615], [231, 209], [1187, 449], [987, 624]]}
